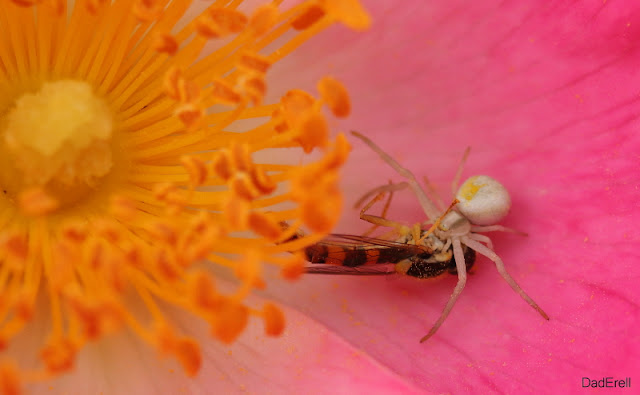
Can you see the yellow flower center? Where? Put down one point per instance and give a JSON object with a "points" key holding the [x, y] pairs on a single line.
{"points": [[127, 169], [59, 136]]}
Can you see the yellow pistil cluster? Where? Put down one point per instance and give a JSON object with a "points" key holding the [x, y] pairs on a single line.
{"points": [[123, 184]]}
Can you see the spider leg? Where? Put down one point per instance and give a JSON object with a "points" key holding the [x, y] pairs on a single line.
{"points": [[496, 228], [461, 267], [433, 193], [456, 178], [482, 239], [427, 205], [475, 245], [447, 244]]}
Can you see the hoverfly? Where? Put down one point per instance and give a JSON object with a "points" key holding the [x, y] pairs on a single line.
{"points": [[446, 242], [361, 255]]}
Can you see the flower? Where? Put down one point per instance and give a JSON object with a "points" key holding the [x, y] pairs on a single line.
{"points": [[546, 97], [123, 168]]}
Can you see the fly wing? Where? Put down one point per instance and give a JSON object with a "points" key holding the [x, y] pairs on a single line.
{"points": [[366, 270], [346, 240], [352, 250]]}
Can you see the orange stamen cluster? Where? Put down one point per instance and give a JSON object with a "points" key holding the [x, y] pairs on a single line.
{"points": [[182, 191]]}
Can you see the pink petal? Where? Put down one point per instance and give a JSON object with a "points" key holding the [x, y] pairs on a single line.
{"points": [[547, 97], [307, 357]]}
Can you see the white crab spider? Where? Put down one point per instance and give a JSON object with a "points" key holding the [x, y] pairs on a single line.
{"points": [[483, 202]]}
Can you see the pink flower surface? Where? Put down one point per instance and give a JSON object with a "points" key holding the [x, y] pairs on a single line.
{"points": [[547, 96]]}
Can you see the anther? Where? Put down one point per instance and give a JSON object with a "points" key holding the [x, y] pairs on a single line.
{"points": [[273, 319], [336, 96]]}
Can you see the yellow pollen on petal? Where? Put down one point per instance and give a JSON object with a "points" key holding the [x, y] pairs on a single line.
{"points": [[136, 149]]}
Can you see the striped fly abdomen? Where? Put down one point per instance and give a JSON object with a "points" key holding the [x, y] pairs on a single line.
{"points": [[356, 255]]}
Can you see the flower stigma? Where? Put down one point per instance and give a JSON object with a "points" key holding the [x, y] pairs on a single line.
{"points": [[127, 171]]}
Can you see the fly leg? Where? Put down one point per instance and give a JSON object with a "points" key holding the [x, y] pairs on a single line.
{"points": [[390, 187], [381, 191], [380, 220]]}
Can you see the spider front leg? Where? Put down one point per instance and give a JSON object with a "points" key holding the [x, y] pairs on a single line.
{"points": [[427, 205], [433, 192]]}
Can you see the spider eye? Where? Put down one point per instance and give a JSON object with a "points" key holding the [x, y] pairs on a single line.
{"points": [[483, 200]]}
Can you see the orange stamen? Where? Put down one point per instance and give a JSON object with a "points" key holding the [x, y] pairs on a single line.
{"points": [[310, 16], [231, 319], [59, 355], [9, 379], [36, 202], [263, 19], [293, 267], [219, 22], [128, 167], [335, 94], [273, 319]]}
